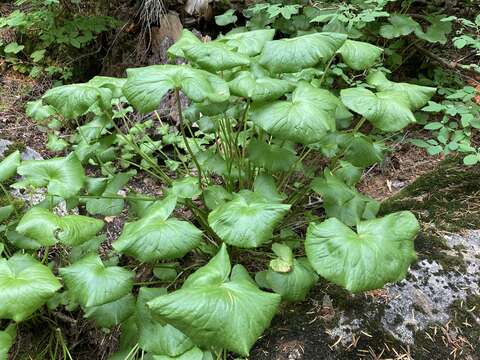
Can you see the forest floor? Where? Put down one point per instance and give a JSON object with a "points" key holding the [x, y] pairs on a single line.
{"points": [[433, 314]]}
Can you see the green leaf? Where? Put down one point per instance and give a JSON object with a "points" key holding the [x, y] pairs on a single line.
{"points": [[145, 87], [217, 312], [73, 101], [9, 165], [155, 336], [112, 313], [228, 17], [13, 48], [295, 284], [305, 119], [186, 39], [387, 110], [63, 177], [400, 25], [265, 186], [214, 57], [261, 89], [437, 31], [26, 285], [185, 188], [39, 112], [250, 43], [92, 283], [246, 221], [155, 237], [284, 262], [192, 354], [115, 85], [38, 55], [294, 54], [380, 252], [215, 195], [359, 55], [55, 143], [348, 173], [471, 159], [46, 228], [7, 339], [5, 212], [110, 207], [271, 157], [418, 96], [342, 201]]}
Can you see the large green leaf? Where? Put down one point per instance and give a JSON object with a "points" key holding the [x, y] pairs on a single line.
{"points": [[215, 311], [342, 201], [247, 221], [380, 252], [272, 157], [261, 89], [9, 165], [214, 56], [7, 339], [115, 85], [63, 177], [305, 119], [186, 39], [156, 336], [293, 282], [73, 101], [386, 110], [112, 313], [359, 55], [250, 43], [418, 96], [193, 354], [93, 284], [294, 54], [145, 87], [26, 285], [155, 237], [46, 228]]}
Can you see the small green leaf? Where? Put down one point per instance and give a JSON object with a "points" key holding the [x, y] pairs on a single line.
{"points": [[186, 39], [9, 165], [26, 285], [471, 159], [228, 17], [13, 48], [380, 252], [359, 55], [400, 25], [39, 112], [112, 313], [93, 284], [38, 55], [214, 56], [185, 188], [55, 143], [271, 157], [249, 43], [258, 89]]}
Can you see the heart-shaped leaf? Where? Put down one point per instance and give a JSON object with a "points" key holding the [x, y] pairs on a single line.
{"points": [[214, 56], [386, 110], [359, 55], [112, 313], [26, 285], [418, 96], [271, 157], [400, 25], [215, 311], [155, 237], [261, 89], [9, 165], [186, 39], [247, 221], [63, 177], [46, 228], [145, 87], [92, 283], [342, 201], [305, 119], [73, 101], [37, 111], [250, 43], [156, 336], [115, 85], [294, 54], [380, 252]]}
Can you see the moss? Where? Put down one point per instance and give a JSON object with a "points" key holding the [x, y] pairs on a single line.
{"points": [[448, 197]]}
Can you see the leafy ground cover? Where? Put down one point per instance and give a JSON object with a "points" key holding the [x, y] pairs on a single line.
{"points": [[187, 231]]}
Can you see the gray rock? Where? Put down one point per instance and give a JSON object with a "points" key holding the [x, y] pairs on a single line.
{"points": [[27, 154]]}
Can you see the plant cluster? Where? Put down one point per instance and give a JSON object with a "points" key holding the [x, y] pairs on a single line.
{"points": [[239, 170], [46, 34]]}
